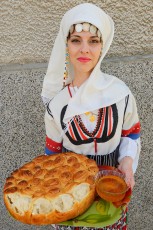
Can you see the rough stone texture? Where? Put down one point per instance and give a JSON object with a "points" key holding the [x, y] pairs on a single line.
{"points": [[23, 132], [28, 28]]}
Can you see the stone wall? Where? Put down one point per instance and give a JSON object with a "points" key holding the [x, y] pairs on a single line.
{"points": [[28, 30], [29, 27]]}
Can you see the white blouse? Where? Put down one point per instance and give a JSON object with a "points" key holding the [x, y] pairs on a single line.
{"points": [[127, 145]]}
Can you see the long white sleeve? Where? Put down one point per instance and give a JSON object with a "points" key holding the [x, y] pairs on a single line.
{"points": [[130, 140]]}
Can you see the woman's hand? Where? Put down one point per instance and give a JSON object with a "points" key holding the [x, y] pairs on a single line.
{"points": [[125, 167]]}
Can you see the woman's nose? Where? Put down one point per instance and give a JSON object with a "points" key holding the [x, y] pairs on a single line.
{"points": [[84, 47]]}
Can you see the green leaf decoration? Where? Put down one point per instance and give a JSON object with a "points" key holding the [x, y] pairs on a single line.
{"points": [[100, 214], [95, 218], [102, 207]]}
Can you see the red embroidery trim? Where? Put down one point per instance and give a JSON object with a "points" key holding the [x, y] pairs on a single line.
{"points": [[134, 130], [85, 130], [69, 90], [71, 132], [110, 120], [53, 145], [95, 142], [102, 124], [79, 130]]}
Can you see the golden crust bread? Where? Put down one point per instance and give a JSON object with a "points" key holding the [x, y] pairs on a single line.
{"points": [[51, 189]]}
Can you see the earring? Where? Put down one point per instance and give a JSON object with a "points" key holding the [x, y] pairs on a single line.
{"points": [[66, 66]]}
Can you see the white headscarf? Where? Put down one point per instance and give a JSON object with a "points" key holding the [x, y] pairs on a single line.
{"points": [[100, 89]]}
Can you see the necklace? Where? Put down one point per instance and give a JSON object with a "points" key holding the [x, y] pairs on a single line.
{"points": [[85, 130], [92, 116]]}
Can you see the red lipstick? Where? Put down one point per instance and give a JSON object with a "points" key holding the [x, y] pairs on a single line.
{"points": [[83, 59]]}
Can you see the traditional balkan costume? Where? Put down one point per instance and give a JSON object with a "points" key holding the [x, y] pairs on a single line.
{"points": [[99, 119]]}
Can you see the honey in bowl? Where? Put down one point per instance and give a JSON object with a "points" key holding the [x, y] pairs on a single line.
{"points": [[110, 185]]}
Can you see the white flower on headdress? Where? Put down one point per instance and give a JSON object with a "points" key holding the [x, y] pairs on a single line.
{"points": [[93, 29], [86, 26], [78, 28]]}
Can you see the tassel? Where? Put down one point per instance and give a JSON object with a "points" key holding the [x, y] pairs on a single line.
{"points": [[95, 143]]}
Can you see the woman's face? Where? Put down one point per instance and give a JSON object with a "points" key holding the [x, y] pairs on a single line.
{"points": [[84, 50]]}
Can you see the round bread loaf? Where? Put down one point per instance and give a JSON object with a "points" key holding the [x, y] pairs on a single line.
{"points": [[51, 189]]}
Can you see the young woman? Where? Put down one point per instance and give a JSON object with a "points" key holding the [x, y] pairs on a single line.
{"points": [[94, 113]]}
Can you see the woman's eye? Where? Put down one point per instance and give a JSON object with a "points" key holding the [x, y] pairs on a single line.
{"points": [[75, 40], [94, 41]]}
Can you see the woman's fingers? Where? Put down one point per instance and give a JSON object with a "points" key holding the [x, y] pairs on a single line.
{"points": [[129, 180], [125, 167]]}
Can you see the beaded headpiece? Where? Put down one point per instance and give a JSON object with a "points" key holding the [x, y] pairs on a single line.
{"points": [[85, 27]]}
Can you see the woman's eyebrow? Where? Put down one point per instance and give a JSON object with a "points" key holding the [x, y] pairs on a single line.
{"points": [[75, 36], [94, 36]]}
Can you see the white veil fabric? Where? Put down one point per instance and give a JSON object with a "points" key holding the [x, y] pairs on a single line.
{"points": [[100, 89]]}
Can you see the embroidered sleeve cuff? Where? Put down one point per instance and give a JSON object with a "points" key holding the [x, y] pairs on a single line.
{"points": [[133, 132], [52, 146]]}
